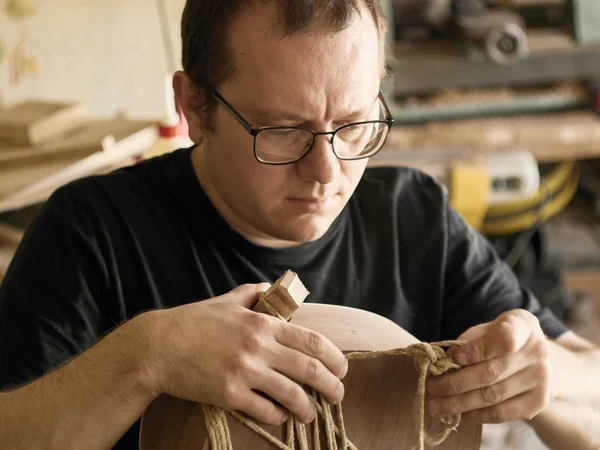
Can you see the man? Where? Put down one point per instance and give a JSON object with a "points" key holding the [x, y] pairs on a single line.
{"points": [[140, 247]]}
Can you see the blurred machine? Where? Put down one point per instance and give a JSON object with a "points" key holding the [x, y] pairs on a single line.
{"points": [[498, 33], [450, 60], [528, 45]]}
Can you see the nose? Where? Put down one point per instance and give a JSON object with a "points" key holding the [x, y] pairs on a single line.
{"points": [[320, 164]]}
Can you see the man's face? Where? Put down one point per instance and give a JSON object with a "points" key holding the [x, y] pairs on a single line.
{"points": [[315, 80]]}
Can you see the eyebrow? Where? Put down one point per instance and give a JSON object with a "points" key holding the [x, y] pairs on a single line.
{"points": [[274, 115]]}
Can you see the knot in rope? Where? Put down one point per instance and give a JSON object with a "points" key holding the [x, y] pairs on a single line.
{"points": [[433, 355], [432, 359]]}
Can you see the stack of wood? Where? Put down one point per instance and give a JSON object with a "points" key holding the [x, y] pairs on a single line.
{"points": [[44, 145]]}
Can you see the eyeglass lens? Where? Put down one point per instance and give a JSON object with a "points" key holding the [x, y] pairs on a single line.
{"points": [[283, 145]]}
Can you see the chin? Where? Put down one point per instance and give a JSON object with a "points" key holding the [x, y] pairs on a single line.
{"points": [[302, 231]]}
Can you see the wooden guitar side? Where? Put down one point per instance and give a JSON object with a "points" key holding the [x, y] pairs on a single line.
{"points": [[379, 405]]}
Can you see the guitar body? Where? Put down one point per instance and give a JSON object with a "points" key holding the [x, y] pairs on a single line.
{"points": [[380, 404]]}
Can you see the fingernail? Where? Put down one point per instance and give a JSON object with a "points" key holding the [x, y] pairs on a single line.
{"points": [[434, 408], [343, 392], [463, 359], [311, 418], [345, 371], [337, 397]]}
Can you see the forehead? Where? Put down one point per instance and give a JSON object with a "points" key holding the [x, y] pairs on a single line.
{"points": [[311, 65]]}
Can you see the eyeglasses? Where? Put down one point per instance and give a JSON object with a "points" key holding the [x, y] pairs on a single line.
{"points": [[287, 145]]}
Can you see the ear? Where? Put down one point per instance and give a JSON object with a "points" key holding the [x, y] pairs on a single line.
{"points": [[191, 102]]}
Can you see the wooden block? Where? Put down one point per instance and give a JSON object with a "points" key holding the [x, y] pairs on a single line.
{"points": [[35, 122], [283, 298]]}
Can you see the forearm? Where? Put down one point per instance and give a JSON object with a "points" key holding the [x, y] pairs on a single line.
{"points": [[574, 412], [567, 426], [575, 374], [88, 403]]}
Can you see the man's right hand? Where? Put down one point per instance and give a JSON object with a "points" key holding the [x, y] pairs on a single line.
{"points": [[220, 352]]}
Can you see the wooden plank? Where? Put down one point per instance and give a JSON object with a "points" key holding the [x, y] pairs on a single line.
{"points": [[18, 173], [582, 280], [550, 138], [36, 122], [10, 238], [10, 234], [6, 255], [522, 3], [87, 136]]}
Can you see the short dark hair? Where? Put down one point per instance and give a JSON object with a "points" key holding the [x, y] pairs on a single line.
{"points": [[205, 24]]}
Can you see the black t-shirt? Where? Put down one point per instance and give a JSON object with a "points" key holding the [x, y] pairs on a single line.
{"points": [[106, 248]]}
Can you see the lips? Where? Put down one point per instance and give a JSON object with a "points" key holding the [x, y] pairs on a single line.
{"points": [[313, 204], [312, 199]]}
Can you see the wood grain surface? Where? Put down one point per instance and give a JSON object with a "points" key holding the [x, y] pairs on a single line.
{"points": [[379, 406]]}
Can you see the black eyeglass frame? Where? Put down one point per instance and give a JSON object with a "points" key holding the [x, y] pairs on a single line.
{"points": [[254, 132]]}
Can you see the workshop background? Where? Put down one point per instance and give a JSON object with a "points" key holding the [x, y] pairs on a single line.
{"points": [[66, 49], [498, 99]]}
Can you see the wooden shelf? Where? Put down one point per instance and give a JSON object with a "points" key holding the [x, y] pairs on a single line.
{"points": [[550, 138]]}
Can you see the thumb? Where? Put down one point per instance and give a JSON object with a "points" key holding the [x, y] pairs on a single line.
{"points": [[470, 335], [474, 333], [245, 295], [507, 334]]}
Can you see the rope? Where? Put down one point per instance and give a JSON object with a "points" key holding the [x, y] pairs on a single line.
{"points": [[430, 359]]}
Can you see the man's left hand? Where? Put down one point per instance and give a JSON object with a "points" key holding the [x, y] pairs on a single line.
{"points": [[506, 373]]}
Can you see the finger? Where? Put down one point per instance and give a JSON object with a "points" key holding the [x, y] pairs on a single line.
{"points": [[469, 335], [452, 351], [245, 295], [505, 335], [525, 406], [474, 332], [477, 376], [312, 344], [310, 371], [494, 394], [261, 409], [288, 393]]}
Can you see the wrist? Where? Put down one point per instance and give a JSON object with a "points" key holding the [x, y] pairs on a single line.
{"points": [[564, 363], [143, 334]]}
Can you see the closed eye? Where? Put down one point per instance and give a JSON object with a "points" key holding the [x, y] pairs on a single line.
{"points": [[283, 133]]}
